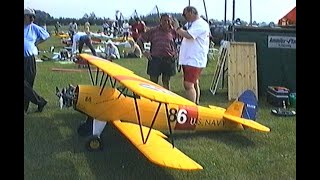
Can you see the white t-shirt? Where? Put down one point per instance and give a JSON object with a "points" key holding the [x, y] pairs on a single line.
{"points": [[193, 52], [126, 27]]}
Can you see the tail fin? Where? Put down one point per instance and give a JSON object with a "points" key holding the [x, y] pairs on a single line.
{"points": [[246, 106], [250, 104], [244, 109]]}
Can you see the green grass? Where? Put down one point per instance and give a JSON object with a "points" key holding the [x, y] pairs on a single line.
{"points": [[53, 149]]}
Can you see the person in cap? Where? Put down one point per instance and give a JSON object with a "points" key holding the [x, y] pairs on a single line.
{"points": [[33, 35]]}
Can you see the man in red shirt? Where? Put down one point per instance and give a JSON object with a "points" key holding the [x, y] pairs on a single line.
{"points": [[137, 28], [163, 51]]}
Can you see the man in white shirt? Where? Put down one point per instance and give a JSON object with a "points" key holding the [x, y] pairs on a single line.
{"points": [[73, 28], [193, 50], [126, 29], [82, 38]]}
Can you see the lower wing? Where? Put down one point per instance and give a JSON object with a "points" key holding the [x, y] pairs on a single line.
{"points": [[156, 149]]}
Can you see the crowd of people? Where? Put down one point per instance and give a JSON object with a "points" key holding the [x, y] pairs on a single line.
{"points": [[193, 40]]}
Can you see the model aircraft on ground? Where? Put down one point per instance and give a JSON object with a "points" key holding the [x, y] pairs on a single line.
{"points": [[143, 111]]}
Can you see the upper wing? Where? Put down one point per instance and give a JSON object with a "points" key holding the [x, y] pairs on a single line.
{"points": [[156, 149], [112, 69], [135, 83]]}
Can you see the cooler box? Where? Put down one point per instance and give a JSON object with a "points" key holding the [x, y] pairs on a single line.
{"points": [[292, 99], [277, 94]]}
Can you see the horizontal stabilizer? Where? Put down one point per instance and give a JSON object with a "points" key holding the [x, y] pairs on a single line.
{"points": [[246, 122], [156, 149]]}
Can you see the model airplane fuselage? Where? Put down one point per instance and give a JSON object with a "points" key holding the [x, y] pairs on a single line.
{"points": [[112, 105]]}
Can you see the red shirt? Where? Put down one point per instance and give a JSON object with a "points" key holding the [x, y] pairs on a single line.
{"points": [[136, 29], [162, 42]]}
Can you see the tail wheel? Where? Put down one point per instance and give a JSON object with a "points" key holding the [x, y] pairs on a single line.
{"points": [[94, 143]]}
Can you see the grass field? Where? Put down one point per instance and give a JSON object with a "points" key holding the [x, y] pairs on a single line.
{"points": [[53, 149]]}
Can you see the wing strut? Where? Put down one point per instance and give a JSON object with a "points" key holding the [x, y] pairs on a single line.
{"points": [[104, 83], [113, 84], [122, 90], [154, 119], [170, 130], [97, 75], [102, 78], [138, 116], [90, 73], [140, 124]]}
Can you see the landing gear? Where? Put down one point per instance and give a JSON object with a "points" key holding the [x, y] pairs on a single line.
{"points": [[92, 129], [94, 143], [85, 129]]}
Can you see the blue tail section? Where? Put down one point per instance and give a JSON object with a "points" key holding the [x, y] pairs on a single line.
{"points": [[250, 104]]}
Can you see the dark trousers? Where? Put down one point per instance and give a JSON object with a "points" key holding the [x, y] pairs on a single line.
{"points": [[86, 40], [71, 33], [30, 71]]}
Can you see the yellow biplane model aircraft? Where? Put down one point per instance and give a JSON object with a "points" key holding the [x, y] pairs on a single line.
{"points": [[142, 110]]}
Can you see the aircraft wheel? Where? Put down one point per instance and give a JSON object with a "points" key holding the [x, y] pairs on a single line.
{"points": [[94, 143], [85, 129]]}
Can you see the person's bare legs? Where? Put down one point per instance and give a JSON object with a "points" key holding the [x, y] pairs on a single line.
{"points": [[154, 79], [166, 82], [197, 89], [191, 92]]}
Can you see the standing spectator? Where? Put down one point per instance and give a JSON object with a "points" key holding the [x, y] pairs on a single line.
{"points": [[73, 28], [105, 27], [57, 27], [138, 28], [115, 28], [163, 51], [33, 35], [87, 28], [126, 30], [193, 50]]}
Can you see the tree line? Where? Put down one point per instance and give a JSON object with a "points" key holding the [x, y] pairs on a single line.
{"points": [[150, 20], [45, 18]]}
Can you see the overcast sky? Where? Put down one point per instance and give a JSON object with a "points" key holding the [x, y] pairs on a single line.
{"points": [[262, 10]]}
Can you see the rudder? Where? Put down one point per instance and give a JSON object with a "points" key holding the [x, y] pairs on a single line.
{"points": [[245, 107], [250, 101]]}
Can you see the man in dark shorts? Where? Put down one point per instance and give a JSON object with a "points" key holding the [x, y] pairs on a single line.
{"points": [[163, 51]]}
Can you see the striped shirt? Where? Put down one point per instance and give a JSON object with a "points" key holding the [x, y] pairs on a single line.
{"points": [[162, 42]]}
